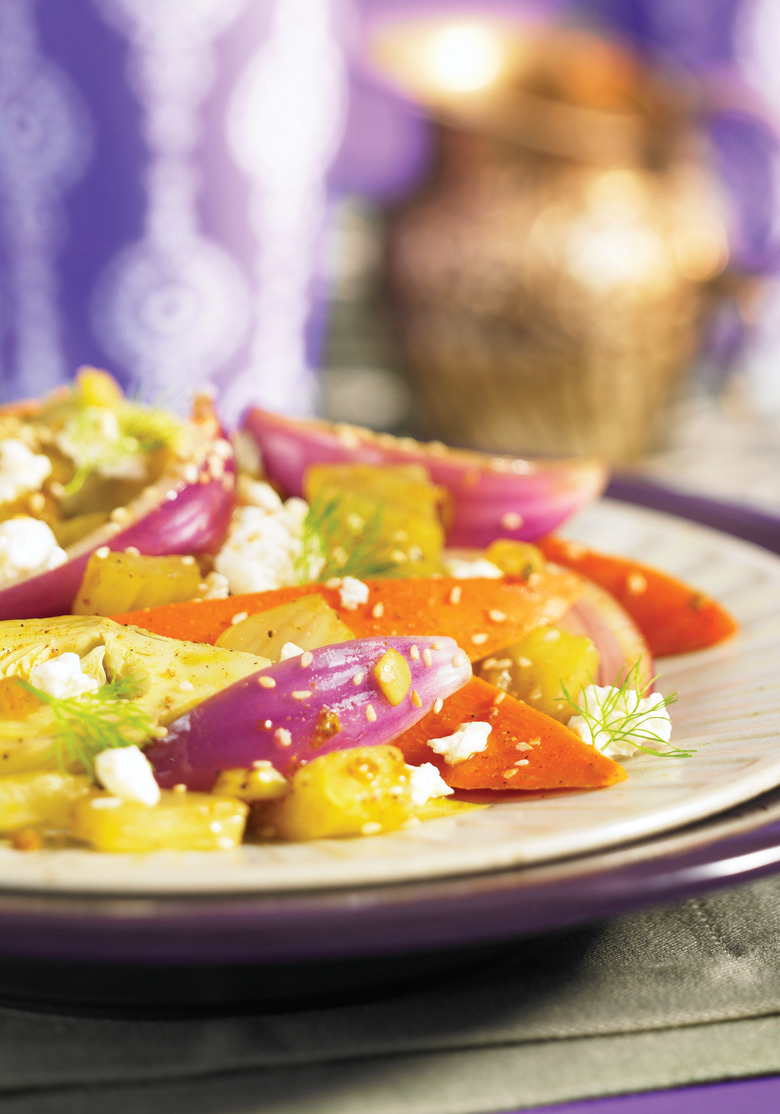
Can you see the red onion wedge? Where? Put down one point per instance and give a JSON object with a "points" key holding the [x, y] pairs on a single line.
{"points": [[614, 633], [493, 496], [187, 510], [298, 709]]}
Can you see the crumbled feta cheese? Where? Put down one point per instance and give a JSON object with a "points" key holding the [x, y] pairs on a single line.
{"points": [[622, 720], [27, 547], [465, 569], [21, 470], [217, 586], [352, 592], [263, 547], [470, 738], [62, 677], [426, 783], [258, 493], [289, 650], [127, 773]]}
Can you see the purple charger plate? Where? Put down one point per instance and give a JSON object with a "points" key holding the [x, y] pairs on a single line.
{"points": [[435, 917]]}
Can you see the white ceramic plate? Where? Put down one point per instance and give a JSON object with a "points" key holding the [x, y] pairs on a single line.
{"points": [[728, 711]]}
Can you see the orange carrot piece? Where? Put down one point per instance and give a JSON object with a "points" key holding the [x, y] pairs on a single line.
{"points": [[550, 756], [482, 615], [673, 617]]}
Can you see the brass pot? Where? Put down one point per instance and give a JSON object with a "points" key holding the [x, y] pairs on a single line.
{"points": [[549, 282]]}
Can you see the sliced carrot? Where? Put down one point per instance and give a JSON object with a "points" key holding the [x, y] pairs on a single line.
{"points": [[526, 749], [482, 615], [673, 617]]}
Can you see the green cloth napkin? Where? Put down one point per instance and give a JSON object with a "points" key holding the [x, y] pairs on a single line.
{"points": [[684, 994]]}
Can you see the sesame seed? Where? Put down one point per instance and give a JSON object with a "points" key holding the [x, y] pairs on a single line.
{"points": [[133, 551], [416, 699], [306, 658], [511, 520], [521, 762], [636, 583], [283, 737], [496, 615], [500, 695], [510, 773], [239, 617], [460, 659], [370, 713], [301, 694], [103, 552], [427, 656], [575, 549], [119, 514], [551, 635], [186, 560], [171, 494], [455, 594], [438, 704], [266, 682], [479, 639], [414, 654], [438, 646], [378, 610], [268, 724], [357, 678]]}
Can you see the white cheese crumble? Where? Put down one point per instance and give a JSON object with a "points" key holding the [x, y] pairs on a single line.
{"points": [[289, 650], [21, 470], [470, 738], [27, 547], [621, 720], [126, 773], [426, 783], [263, 546], [62, 677], [466, 569], [352, 592]]}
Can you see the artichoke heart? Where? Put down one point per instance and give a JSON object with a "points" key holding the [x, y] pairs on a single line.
{"points": [[171, 675]]}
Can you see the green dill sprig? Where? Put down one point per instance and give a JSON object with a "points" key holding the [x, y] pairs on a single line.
{"points": [[96, 721], [337, 542], [140, 430], [620, 718]]}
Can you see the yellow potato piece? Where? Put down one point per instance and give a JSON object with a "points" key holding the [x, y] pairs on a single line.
{"points": [[397, 506], [39, 798], [360, 791], [179, 822], [538, 668], [118, 582]]}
